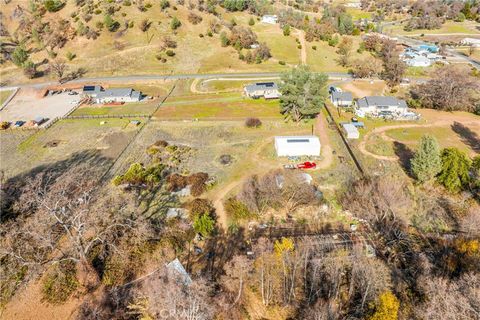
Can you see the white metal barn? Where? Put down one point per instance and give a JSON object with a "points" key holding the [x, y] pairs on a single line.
{"points": [[297, 146], [351, 131]]}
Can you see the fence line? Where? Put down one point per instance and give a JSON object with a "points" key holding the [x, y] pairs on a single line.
{"points": [[345, 142], [108, 116], [6, 102]]}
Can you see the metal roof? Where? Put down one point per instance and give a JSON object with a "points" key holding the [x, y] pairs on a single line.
{"points": [[116, 92], [375, 101], [343, 96]]}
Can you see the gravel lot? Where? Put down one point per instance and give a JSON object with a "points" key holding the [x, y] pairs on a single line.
{"points": [[27, 105]]}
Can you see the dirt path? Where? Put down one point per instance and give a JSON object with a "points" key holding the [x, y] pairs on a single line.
{"points": [[303, 43], [445, 119], [321, 129], [261, 166]]}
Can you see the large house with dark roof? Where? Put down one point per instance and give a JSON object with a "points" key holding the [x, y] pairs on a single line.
{"points": [[380, 106]]}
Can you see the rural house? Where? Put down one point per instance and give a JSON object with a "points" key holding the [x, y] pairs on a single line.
{"points": [[380, 106], [101, 95], [341, 99], [268, 90], [297, 146]]}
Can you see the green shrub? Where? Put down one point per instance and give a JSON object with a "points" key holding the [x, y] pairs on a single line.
{"points": [[170, 53], [60, 283], [314, 47], [299, 46], [164, 4], [70, 56], [286, 30], [175, 24], [237, 210], [53, 5], [204, 224], [251, 22], [137, 174], [127, 3], [281, 62]]}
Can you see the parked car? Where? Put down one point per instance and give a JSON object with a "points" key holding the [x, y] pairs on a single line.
{"points": [[19, 123], [304, 165]]}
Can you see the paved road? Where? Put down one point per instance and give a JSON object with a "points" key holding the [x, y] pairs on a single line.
{"points": [[332, 75]]}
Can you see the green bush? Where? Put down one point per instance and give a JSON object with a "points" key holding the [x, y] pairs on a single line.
{"points": [[137, 174], [251, 22], [127, 3], [53, 5], [70, 56], [175, 24], [60, 283], [164, 4], [237, 210], [281, 62], [314, 47], [204, 224], [286, 30]]}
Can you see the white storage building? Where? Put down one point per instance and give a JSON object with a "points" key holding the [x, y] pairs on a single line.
{"points": [[351, 131], [297, 146]]}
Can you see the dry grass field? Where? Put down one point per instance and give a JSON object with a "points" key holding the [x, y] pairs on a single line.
{"points": [[26, 150]]}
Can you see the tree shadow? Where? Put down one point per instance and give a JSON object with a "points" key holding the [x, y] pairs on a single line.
{"points": [[12, 188], [469, 137], [404, 153]]}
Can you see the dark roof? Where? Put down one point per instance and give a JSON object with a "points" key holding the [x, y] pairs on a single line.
{"points": [[343, 96], [380, 101], [89, 88]]}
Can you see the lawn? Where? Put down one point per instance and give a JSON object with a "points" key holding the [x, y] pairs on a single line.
{"points": [[375, 144], [221, 106], [358, 13], [4, 95]]}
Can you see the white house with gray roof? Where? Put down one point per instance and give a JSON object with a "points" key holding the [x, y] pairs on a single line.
{"points": [[101, 95], [341, 99], [379, 106], [267, 90]]}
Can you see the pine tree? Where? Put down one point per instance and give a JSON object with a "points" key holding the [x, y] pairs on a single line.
{"points": [[426, 163], [455, 169]]}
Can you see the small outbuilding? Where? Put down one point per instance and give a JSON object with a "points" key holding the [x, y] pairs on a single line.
{"points": [[351, 131], [270, 19], [297, 146], [341, 99]]}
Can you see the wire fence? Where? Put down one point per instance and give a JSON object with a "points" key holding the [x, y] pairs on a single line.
{"points": [[108, 116]]}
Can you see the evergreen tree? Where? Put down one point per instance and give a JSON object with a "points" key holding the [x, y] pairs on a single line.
{"points": [[19, 56], [303, 93], [455, 169], [426, 163]]}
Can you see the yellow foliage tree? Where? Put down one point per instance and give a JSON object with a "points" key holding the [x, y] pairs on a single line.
{"points": [[386, 308], [282, 246]]}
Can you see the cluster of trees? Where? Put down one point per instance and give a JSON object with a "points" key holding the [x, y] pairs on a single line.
{"points": [[450, 88], [243, 38], [303, 93], [392, 68], [450, 166]]}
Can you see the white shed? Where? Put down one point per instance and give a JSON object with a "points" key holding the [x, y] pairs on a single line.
{"points": [[351, 131], [297, 146]]}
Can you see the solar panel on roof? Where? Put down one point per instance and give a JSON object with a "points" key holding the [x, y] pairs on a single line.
{"points": [[297, 140], [88, 88], [266, 84]]}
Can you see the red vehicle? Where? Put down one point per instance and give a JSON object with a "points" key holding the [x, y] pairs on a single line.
{"points": [[305, 165]]}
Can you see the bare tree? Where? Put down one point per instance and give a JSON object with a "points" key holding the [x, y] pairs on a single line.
{"points": [[59, 68]]}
